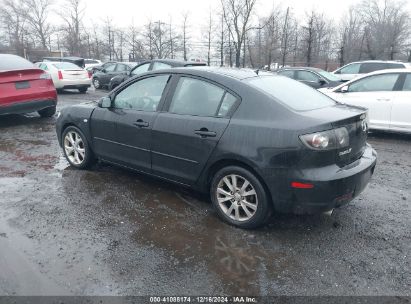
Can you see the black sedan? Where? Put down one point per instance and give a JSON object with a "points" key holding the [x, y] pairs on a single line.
{"points": [[151, 65], [315, 78], [256, 144], [102, 77]]}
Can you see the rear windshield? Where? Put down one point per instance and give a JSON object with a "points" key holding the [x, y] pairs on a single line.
{"points": [[8, 62], [296, 95], [66, 66]]}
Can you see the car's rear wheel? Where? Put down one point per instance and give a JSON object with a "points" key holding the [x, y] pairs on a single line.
{"points": [[96, 83], [83, 90], [76, 148], [239, 197], [47, 112]]}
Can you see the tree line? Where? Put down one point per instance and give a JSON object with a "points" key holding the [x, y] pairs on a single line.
{"points": [[231, 34]]}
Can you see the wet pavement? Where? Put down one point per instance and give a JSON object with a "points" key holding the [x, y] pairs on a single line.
{"points": [[108, 231]]}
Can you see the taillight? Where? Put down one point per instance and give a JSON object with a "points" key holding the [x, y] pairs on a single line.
{"points": [[327, 140], [45, 76], [90, 74], [60, 74]]}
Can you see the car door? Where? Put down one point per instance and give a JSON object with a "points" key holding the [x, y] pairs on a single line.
{"points": [[107, 73], [401, 106], [185, 135], [374, 93], [309, 78], [135, 108]]}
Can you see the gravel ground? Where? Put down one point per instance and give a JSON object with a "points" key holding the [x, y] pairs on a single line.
{"points": [[107, 231]]}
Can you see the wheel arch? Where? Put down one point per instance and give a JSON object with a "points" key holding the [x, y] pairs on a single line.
{"points": [[225, 162]]}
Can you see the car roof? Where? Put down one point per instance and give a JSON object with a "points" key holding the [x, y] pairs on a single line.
{"points": [[378, 61], [379, 72], [233, 73], [301, 68], [174, 62]]}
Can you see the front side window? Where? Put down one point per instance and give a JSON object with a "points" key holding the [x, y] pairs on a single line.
{"points": [[140, 69], [353, 68], [121, 68], [307, 76], [196, 97], [142, 95], [384, 82], [160, 66], [110, 68], [287, 73]]}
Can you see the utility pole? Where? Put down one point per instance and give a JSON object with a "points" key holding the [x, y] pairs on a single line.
{"points": [[222, 41], [160, 49], [259, 45]]}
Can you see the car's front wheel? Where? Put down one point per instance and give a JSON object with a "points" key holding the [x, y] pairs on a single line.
{"points": [[76, 148], [239, 198]]}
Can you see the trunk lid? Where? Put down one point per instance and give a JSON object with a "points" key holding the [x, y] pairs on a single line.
{"points": [[74, 74]]}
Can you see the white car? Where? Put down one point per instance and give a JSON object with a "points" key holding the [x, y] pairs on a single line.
{"points": [[355, 69], [66, 75], [386, 94], [90, 63]]}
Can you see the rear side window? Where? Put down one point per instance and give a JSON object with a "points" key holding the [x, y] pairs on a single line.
{"points": [[227, 104], [66, 66], [384, 82], [9, 62], [293, 94], [196, 97], [407, 83], [395, 66], [369, 67]]}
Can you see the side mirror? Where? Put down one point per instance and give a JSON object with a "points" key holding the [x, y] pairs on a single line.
{"points": [[105, 102], [322, 82], [103, 70], [337, 72], [344, 89]]}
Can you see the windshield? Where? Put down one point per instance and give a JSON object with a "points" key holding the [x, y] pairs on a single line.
{"points": [[293, 94], [328, 75], [66, 66]]}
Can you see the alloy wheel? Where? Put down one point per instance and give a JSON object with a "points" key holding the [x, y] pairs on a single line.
{"points": [[96, 83], [237, 197], [74, 148]]}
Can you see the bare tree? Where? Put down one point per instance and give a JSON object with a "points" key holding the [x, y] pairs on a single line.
{"points": [[14, 24], [36, 13], [237, 15], [72, 15], [185, 36]]}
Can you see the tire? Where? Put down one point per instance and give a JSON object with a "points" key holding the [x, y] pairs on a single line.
{"points": [[85, 157], [83, 90], [59, 91], [111, 87], [96, 83], [257, 201], [47, 112]]}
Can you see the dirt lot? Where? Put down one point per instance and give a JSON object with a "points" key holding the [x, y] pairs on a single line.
{"points": [[111, 232]]}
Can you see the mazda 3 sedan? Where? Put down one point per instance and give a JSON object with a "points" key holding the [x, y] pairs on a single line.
{"points": [[256, 144]]}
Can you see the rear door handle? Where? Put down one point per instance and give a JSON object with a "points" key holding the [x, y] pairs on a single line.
{"points": [[203, 132], [141, 123]]}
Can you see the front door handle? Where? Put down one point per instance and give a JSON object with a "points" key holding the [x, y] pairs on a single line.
{"points": [[141, 123], [203, 132]]}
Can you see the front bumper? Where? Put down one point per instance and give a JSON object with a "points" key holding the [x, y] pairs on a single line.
{"points": [[27, 106], [333, 186]]}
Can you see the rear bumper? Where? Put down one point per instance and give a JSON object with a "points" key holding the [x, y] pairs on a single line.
{"points": [[27, 107], [333, 186], [73, 84]]}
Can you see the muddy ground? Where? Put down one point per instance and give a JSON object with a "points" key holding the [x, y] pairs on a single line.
{"points": [[108, 231]]}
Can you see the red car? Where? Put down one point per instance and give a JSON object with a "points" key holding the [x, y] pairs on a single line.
{"points": [[25, 88]]}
